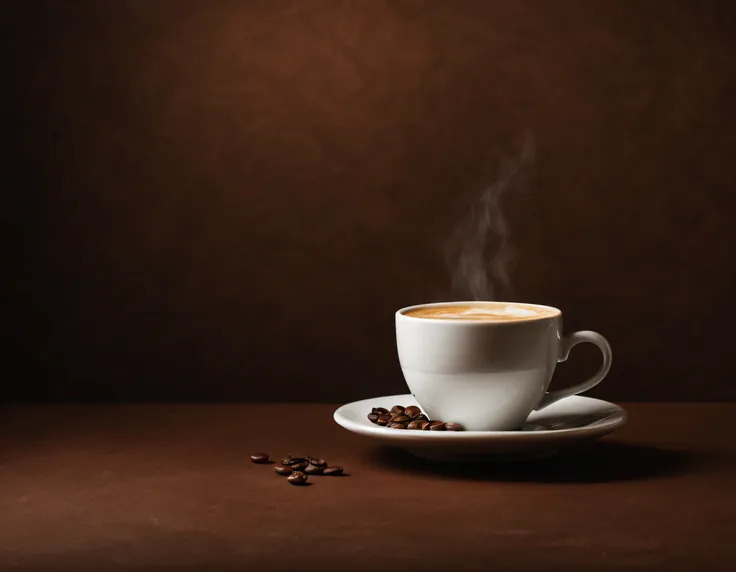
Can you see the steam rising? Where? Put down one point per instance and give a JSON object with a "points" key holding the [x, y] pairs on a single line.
{"points": [[480, 252]]}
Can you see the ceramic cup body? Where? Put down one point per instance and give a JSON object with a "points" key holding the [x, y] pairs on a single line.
{"points": [[487, 375]]}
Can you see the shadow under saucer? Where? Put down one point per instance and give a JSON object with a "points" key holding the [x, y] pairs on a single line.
{"points": [[594, 462]]}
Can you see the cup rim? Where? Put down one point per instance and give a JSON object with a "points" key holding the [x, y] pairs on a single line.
{"points": [[402, 312]]}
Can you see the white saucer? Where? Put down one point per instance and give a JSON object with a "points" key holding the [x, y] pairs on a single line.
{"points": [[564, 423]]}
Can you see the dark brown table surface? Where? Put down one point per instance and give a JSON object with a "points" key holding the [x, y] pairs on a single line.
{"points": [[171, 486]]}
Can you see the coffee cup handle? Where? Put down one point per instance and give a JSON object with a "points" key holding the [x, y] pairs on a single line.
{"points": [[566, 344]]}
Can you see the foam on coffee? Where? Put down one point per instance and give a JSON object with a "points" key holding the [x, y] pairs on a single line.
{"points": [[489, 312]]}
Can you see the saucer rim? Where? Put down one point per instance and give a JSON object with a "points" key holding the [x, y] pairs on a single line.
{"points": [[602, 428]]}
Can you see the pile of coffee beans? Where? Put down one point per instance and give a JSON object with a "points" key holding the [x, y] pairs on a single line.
{"points": [[400, 417], [297, 470]]}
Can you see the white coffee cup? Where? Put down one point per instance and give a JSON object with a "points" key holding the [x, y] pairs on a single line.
{"points": [[488, 374]]}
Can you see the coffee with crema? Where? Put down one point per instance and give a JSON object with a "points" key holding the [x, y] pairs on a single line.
{"points": [[487, 365], [484, 311]]}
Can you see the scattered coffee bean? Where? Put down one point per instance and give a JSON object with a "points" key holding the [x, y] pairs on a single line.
{"points": [[384, 420], [379, 410], [317, 462], [373, 417], [450, 426], [418, 424], [286, 460], [401, 418], [297, 478], [282, 470], [396, 409], [300, 466], [313, 470], [394, 425], [412, 411], [291, 461], [332, 471], [436, 426], [259, 458], [421, 417]]}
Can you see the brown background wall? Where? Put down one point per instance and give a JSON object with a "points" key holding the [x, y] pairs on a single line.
{"points": [[229, 199]]}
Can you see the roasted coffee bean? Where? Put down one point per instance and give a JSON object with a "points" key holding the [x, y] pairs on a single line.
{"points": [[300, 466], [436, 426], [450, 426], [396, 409], [379, 410], [421, 417], [297, 478], [373, 417], [313, 470], [317, 462], [394, 425], [283, 470], [384, 420], [332, 471], [417, 424], [291, 461], [259, 458], [400, 418], [412, 411], [286, 460]]}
